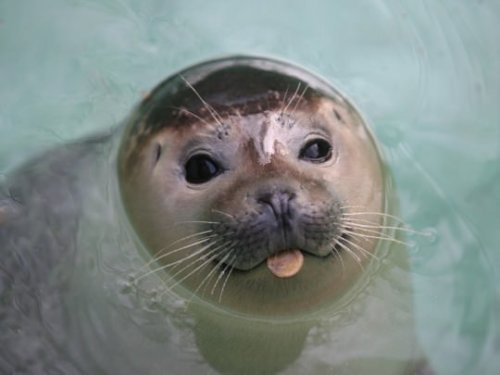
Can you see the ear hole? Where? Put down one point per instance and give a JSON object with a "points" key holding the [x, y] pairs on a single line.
{"points": [[157, 153], [337, 115]]}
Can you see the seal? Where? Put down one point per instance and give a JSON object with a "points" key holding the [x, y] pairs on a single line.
{"points": [[241, 173], [240, 219]]}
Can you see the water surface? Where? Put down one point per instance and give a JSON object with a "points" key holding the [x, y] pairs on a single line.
{"points": [[424, 73]]}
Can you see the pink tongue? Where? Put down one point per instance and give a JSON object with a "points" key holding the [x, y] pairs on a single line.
{"points": [[286, 263]]}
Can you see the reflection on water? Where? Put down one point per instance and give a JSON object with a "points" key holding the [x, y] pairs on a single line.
{"points": [[423, 73]]}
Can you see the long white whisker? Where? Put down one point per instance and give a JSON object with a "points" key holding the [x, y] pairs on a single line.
{"points": [[185, 110], [284, 98], [339, 256], [223, 213], [168, 265], [363, 235], [222, 261], [351, 253], [374, 230], [195, 222], [204, 264], [226, 266], [212, 272], [300, 98], [228, 275], [347, 214], [160, 255], [363, 251], [211, 110], [369, 224], [292, 98], [205, 239], [190, 236], [193, 255]]}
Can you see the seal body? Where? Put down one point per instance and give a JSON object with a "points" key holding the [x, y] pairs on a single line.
{"points": [[242, 210]]}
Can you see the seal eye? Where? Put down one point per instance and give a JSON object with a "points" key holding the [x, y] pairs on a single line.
{"points": [[200, 169], [316, 151]]}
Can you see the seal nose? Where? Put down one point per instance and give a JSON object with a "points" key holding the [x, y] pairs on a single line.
{"points": [[279, 202]]}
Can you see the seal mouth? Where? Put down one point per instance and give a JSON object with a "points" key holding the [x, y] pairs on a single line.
{"points": [[282, 263], [288, 262]]}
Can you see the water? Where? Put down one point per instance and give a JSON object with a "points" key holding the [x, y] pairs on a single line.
{"points": [[424, 74]]}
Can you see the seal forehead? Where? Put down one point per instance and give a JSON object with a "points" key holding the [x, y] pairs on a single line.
{"points": [[248, 84], [210, 93], [244, 89]]}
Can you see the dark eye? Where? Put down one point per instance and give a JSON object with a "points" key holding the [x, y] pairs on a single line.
{"points": [[200, 169], [316, 151]]}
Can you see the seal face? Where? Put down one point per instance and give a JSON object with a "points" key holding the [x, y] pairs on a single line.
{"points": [[247, 180]]}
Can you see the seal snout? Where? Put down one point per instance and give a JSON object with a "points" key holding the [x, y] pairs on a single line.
{"points": [[280, 204], [279, 223], [279, 213]]}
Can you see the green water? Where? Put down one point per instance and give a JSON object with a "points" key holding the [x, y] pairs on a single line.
{"points": [[425, 73]]}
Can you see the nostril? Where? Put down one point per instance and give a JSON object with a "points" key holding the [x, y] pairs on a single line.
{"points": [[265, 198]]}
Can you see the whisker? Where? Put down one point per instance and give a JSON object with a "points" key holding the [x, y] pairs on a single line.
{"points": [[351, 226], [284, 98], [369, 224], [211, 110], [237, 113], [204, 264], [363, 251], [183, 110], [168, 265], [190, 236], [174, 264], [196, 222], [378, 237], [207, 238], [226, 265], [291, 99], [225, 281], [339, 256], [162, 252], [223, 271], [300, 98], [187, 111], [355, 206], [172, 277], [223, 213], [351, 253], [211, 273], [382, 214], [352, 206]]}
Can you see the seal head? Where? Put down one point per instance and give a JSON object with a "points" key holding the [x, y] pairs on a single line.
{"points": [[244, 178]]}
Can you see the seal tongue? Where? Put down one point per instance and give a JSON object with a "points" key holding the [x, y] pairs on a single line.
{"points": [[286, 263]]}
